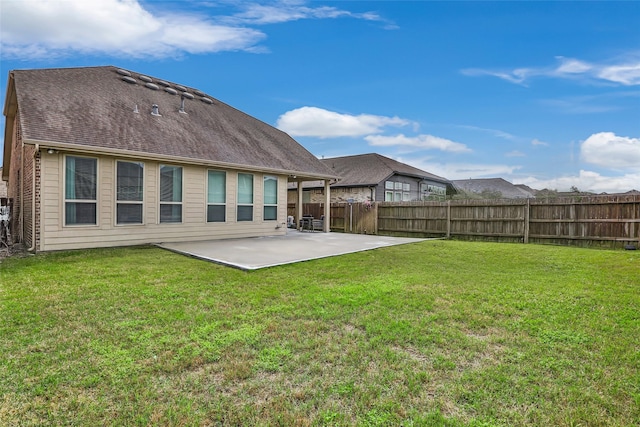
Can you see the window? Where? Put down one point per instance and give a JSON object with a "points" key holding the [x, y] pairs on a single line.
{"points": [[216, 196], [406, 197], [406, 187], [270, 198], [80, 190], [397, 196], [245, 197], [129, 192], [388, 185], [388, 196], [398, 185], [170, 193]]}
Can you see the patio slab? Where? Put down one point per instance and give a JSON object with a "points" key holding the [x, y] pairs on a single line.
{"points": [[260, 252]]}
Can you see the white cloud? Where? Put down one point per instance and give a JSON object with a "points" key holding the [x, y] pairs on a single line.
{"points": [[293, 11], [426, 142], [626, 72], [320, 123], [40, 28], [537, 143], [606, 149], [515, 153], [495, 132], [467, 170], [586, 181]]}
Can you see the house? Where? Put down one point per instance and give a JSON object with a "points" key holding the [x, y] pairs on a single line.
{"points": [[492, 188], [373, 177], [102, 156]]}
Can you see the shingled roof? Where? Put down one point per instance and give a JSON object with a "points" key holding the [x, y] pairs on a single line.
{"points": [[107, 109], [371, 169], [498, 185]]}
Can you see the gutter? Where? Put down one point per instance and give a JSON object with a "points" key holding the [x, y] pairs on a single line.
{"points": [[87, 149]]}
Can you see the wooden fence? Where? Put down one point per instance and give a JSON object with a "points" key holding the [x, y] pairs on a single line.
{"points": [[607, 221]]}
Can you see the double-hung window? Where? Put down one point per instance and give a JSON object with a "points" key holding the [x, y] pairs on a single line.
{"points": [[80, 190], [216, 196], [245, 197], [270, 198], [129, 192], [170, 193]]}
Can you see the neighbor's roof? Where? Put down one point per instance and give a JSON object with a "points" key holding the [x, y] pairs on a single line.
{"points": [[507, 189], [371, 169], [92, 108]]}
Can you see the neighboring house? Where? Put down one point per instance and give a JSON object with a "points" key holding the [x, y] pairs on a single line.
{"points": [[373, 177], [491, 188], [101, 156]]}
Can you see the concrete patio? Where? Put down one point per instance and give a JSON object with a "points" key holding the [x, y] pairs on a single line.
{"points": [[260, 252]]}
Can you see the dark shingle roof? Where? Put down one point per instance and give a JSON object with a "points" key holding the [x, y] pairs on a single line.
{"points": [[94, 107], [372, 169], [507, 189]]}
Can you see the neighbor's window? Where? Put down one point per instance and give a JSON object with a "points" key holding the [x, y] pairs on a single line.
{"points": [[216, 196], [388, 185], [270, 198], [245, 197], [80, 190], [388, 196], [170, 193], [129, 192]]}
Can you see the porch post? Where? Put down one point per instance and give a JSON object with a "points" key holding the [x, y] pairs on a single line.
{"points": [[299, 204], [326, 225]]}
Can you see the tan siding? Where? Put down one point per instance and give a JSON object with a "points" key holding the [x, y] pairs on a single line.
{"points": [[194, 195], [194, 227]]}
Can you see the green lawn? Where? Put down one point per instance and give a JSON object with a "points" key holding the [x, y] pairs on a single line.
{"points": [[434, 333]]}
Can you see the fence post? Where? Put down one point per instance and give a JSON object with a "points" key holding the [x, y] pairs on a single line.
{"points": [[448, 219], [527, 216]]}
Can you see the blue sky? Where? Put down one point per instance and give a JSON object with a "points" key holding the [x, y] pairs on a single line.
{"points": [[541, 93]]}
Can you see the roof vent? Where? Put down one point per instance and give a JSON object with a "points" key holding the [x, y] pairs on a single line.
{"points": [[206, 100], [135, 109], [181, 88], [145, 79], [181, 110], [154, 110], [152, 86], [199, 93], [187, 95], [123, 72], [163, 83], [129, 79], [171, 90]]}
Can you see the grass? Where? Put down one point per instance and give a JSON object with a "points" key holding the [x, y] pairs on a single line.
{"points": [[438, 333]]}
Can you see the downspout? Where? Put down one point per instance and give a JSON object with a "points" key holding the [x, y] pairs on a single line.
{"points": [[33, 200], [21, 218]]}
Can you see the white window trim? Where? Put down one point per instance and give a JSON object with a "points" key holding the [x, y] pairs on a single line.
{"points": [[129, 202], [64, 192], [160, 202], [253, 196], [264, 194], [206, 196]]}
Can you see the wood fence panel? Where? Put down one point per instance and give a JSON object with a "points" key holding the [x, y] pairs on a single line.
{"points": [[610, 221]]}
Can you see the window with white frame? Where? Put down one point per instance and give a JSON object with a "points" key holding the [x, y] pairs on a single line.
{"points": [[216, 196], [170, 194], [80, 190], [129, 192], [270, 198], [245, 197]]}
